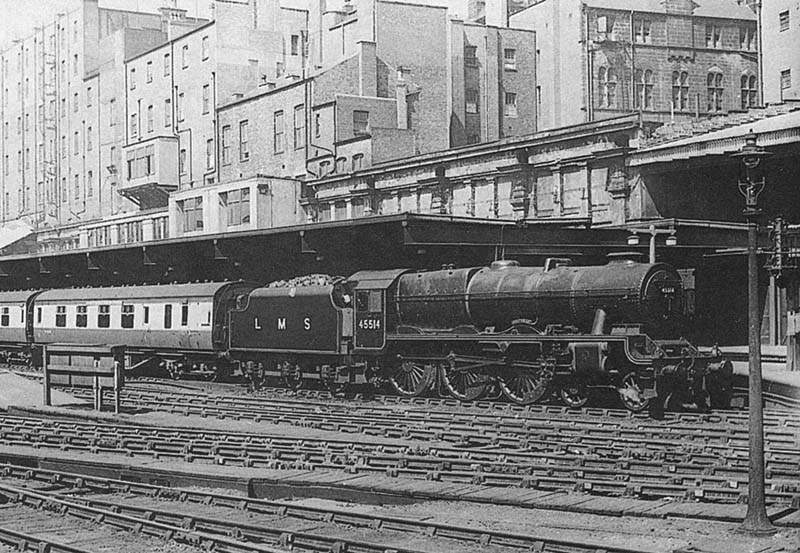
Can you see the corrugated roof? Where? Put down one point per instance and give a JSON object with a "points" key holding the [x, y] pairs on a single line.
{"points": [[772, 131], [725, 9], [766, 125], [164, 291]]}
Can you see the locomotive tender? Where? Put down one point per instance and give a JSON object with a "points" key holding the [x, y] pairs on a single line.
{"points": [[522, 331]]}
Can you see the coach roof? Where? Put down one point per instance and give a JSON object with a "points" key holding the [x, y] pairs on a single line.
{"points": [[162, 291], [17, 296]]}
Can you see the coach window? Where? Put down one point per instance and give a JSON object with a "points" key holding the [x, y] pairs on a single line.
{"points": [[4, 317], [81, 317], [185, 314], [104, 316], [61, 315], [146, 315], [168, 316], [126, 319], [38, 314]]}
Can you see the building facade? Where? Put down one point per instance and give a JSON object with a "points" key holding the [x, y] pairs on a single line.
{"points": [[780, 30], [667, 59], [56, 86]]}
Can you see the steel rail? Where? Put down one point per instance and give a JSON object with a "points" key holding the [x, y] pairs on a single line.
{"points": [[334, 515], [26, 542], [501, 426], [195, 443], [596, 476], [142, 525]]}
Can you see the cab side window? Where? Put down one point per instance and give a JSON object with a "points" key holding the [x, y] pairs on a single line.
{"points": [[369, 301]]}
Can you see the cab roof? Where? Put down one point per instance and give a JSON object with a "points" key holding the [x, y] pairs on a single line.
{"points": [[375, 280]]}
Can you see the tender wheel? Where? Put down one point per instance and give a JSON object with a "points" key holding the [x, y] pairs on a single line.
{"points": [[291, 376], [525, 385], [329, 380], [465, 385], [410, 378], [630, 393], [574, 394]]}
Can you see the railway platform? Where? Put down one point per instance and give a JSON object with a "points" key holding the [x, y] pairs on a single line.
{"points": [[781, 386]]}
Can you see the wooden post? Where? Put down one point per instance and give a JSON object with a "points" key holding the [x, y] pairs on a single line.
{"points": [[98, 391], [117, 385], [46, 380]]}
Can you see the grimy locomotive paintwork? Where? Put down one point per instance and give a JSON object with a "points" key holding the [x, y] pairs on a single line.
{"points": [[525, 332], [522, 331]]}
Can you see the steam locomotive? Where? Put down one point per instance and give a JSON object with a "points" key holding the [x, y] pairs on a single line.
{"points": [[524, 332]]}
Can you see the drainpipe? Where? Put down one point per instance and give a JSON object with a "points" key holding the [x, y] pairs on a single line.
{"points": [[633, 64], [589, 69], [215, 124], [759, 45]]}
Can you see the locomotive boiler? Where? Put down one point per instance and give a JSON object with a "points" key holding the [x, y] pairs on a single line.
{"points": [[558, 294]]}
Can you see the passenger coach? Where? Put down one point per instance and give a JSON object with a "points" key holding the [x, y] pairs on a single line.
{"points": [[180, 326]]}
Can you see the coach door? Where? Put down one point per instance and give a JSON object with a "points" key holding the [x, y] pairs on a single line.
{"points": [[370, 321]]}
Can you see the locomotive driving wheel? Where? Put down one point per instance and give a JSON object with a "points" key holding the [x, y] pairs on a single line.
{"points": [[525, 385], [464, 384], [631, 394], [411, 378], [574, 394]]}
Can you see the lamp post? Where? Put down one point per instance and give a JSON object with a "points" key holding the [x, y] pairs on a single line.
{"points": [[672, 240], [751, 185]]}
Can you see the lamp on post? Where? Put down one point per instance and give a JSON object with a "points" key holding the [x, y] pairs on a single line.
{"points": [[671, 240], [751, 184]]}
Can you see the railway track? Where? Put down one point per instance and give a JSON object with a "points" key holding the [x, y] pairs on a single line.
{"points": [[557, 462], [509, 429], [234, 523]]}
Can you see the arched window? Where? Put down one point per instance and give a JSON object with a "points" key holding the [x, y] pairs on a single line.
{"points": [[608, 87], [680, 90], [749, 91], [644, 89], [715, 90], [612, 88], [602, 79]]}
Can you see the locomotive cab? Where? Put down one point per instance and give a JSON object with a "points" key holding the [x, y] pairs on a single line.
{"points": [[371, 290]]}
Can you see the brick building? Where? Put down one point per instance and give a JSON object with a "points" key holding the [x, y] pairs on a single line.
{"points": [[780, 30], [56, 86], [413, 82], [673, 58]]}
